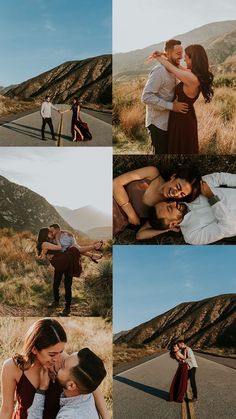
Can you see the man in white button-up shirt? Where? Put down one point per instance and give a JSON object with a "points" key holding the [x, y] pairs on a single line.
{"points": [[158, 95], [192, 364], [212, 216], [46, 113], [80, 375]]}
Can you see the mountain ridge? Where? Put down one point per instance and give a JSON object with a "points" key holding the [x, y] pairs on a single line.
{"points": [[23, 209], [204, 323], [89, 79], [134, 61]]}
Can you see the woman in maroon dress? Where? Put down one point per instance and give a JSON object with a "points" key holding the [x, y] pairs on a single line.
{"points": [[194, 79], [179, 383], [79, 129], [43, 346]]}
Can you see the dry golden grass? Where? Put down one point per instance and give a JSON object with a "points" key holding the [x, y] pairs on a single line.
{"points": [[11, 106], [123, 354], [216, 121], [26, 283], [94, 333]]}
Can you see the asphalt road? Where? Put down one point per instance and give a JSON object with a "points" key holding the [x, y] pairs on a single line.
{"points": [[26, 131], [142, 392]]}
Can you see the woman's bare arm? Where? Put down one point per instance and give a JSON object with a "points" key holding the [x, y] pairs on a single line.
{"points": [[101, 404], [9, 382], [180, 356], [186, 76], [51, 246], [120, 194], [147, 232]]}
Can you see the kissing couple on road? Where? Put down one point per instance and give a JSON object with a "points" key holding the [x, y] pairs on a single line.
{"points": [[60, 248], [185, 357]]}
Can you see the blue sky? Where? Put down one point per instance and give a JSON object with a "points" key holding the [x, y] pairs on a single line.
{"points": [[149, 280], [65, 176], [37, 35], [138, 24]]}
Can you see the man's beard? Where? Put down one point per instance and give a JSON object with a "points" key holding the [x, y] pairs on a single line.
{"points": [[175, 63]]}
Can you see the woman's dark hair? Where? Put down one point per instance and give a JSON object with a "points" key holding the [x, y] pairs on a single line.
{"points": [[42, 237], [89, 372], [76, 100], [172, 352], [200, 67], [41, 335], [192, 175]]}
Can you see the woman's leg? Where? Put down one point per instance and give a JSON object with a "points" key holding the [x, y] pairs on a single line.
{"points": [[80, 133]]}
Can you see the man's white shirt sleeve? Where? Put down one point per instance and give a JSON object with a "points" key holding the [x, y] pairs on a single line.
{"points": [[150, 92]]}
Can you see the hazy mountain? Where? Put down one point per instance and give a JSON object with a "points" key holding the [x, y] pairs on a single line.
{"points": [[4, 89], [100, 233], [213, 36], [86, 219], [206, 323], [23, 209], [222, 48], [89, 79]]}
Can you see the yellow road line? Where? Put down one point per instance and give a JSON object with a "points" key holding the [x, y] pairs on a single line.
{"points": [[59, 140], [187, 408]]}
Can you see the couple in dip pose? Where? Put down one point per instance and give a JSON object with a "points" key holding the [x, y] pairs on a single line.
{"points": [[186, 370], [202, 207], [79, 129], [49, 383], [60, 248], [170, 93]]}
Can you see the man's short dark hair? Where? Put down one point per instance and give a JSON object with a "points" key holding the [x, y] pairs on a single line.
{"points": [[180, 341], [155, 222], [169, 45], [89, 372], [55, 226]]}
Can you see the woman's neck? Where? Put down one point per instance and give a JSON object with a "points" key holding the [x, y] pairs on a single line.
{"points": [[154, 193]]}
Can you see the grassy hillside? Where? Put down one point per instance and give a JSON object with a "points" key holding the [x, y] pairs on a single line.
{"points": [[26, 283], [216, 120], [13, 106]]}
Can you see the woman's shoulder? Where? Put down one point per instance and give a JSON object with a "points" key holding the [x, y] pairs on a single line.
{"points": [[10, 367]]}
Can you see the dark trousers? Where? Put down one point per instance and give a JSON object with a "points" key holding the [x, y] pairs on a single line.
{"points": [[67, 284], [49, 122], [191, 376], [159, 139]]}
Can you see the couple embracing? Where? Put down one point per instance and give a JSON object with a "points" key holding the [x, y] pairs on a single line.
{"points": [[170, 93], [185, 357], [202, 207], [60, 248], [49, 383]]}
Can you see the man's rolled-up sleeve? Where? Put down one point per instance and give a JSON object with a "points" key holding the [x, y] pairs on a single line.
{"points": [[221, 179], [151, 89], [213, 232]]}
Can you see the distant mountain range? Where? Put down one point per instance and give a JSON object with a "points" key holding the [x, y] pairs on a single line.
{"points": [[202, 324], [4, 90], [89, 79], [218, 38], [89, 220], [23, 209]]}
